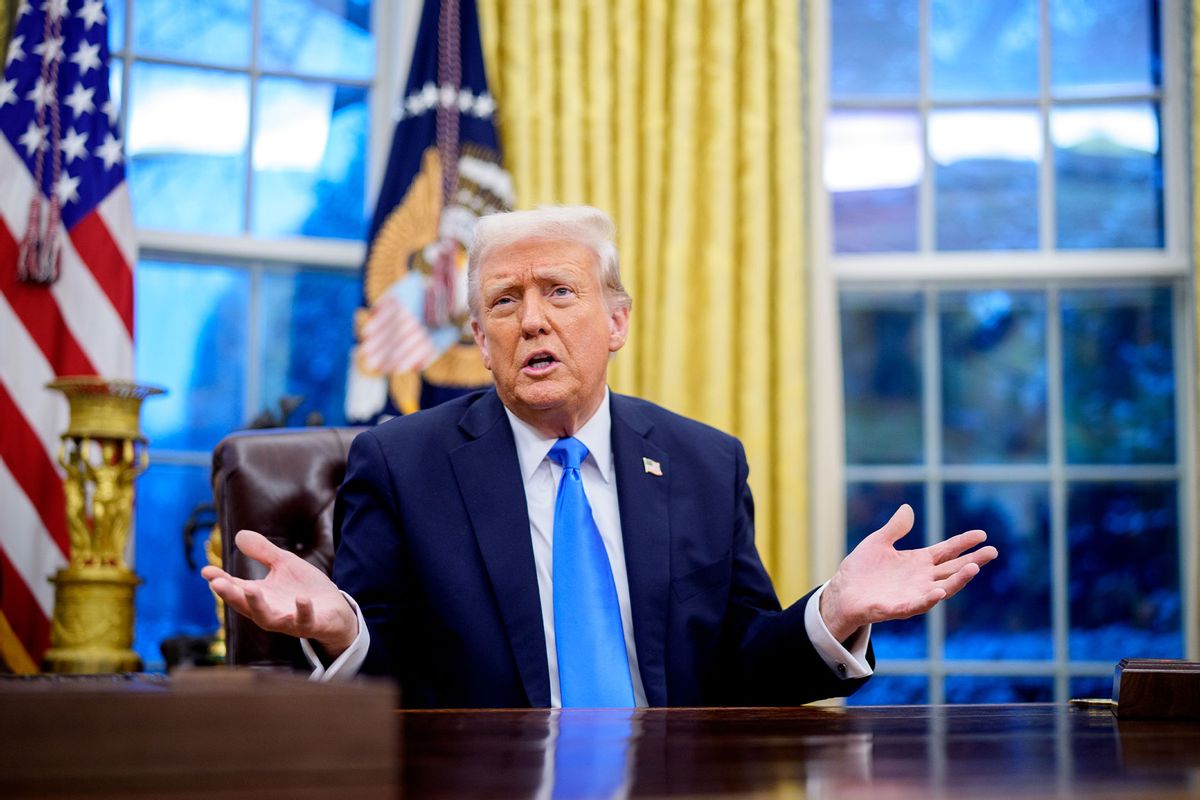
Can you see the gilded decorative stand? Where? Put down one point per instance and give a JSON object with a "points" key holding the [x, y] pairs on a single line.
{"points": [[102, 451]]}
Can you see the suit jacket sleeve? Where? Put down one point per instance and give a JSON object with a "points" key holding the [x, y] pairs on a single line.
{"points": [[771, 659], [369, 562]]}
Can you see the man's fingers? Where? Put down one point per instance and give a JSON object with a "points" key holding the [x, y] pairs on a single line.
{"points": [[209, 572], [304, 614], [955, 583], [934, 597], [979, 557], [231, 593], [900, 524], [260, 610], [212, 574], [258, 547], [956, 545], [914, 607]]}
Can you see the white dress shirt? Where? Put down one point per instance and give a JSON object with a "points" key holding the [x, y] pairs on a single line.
{"points": [[598, 471], [541, 477]]}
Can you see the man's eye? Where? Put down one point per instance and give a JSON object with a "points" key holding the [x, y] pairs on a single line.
{"points": [[561, 291], [501, 301]]}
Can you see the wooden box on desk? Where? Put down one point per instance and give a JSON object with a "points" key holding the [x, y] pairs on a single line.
{"points": [[213, 733], [1151, 688]]}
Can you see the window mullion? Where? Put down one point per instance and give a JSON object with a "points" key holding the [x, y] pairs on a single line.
{"points": [[926, 227], [1058, 493], [1047, 221], [931, 382], [255, 22]]}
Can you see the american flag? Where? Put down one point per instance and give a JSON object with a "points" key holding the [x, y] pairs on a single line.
{"points": [[67, 249]]}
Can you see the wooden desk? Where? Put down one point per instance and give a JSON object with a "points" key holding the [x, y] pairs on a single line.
{"points": [[247, 736], [1008, 752]]}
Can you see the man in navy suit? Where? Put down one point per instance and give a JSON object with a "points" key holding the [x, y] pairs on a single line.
{"points": [[446, 575]]}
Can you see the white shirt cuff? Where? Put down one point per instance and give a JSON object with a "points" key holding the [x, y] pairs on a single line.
{"points": [[346, 665], [846, 661]]}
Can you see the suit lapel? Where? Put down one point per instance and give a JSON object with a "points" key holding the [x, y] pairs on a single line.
{"points": [[489, 477], [645, 531]]}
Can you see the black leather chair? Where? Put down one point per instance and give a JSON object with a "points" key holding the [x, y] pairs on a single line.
{"points": [[281, 483]]}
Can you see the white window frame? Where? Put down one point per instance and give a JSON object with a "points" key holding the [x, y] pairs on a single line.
{"points": [[1045, 269], [394, 26]]}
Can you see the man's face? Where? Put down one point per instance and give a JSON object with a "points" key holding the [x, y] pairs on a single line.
{"points": [[546, 332]]}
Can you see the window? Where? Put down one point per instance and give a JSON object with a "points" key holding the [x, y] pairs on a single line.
{"points": [[248, 129], [1015, 341], [995, 126]]}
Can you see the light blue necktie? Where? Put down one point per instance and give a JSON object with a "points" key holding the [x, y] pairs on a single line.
{"points": [[593, 667]]}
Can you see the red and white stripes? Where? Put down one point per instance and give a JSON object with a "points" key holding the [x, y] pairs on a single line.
{"points": [[81, 324]]}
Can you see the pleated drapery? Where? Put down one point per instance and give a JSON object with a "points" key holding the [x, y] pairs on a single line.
{"points": [[682, 119], [7, 7]]}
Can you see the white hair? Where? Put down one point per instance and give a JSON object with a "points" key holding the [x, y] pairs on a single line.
{"points": [[583, 225]]}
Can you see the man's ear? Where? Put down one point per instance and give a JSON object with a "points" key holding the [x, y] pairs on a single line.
{"points": [[618, 328], [481, 342]]}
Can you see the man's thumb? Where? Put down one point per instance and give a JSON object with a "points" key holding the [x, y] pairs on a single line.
{"points": [[899, 525]]}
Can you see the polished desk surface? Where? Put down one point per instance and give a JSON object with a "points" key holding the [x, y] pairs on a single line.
{"points": [[884, 752], [245, 735]]}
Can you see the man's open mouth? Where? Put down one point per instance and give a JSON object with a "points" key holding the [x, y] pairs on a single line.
{"points": [[540, 361]]}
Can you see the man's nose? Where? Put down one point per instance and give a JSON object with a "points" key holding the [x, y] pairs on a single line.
{"points": [[533, 315]]}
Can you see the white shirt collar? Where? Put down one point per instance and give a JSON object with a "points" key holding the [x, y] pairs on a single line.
{"points": [[596, 435]]}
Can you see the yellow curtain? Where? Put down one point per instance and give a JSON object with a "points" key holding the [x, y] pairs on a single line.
{"points": [[7, 7], [682, 119]]}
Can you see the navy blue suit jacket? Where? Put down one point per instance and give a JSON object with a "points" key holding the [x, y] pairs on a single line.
{"points": [[435, 548]]}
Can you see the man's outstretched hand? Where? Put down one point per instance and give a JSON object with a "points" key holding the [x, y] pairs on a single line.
{"points": [[295, 598], [877, 582]]}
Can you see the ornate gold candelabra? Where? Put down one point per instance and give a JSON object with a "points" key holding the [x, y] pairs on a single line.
{"points": [[102, 451]]}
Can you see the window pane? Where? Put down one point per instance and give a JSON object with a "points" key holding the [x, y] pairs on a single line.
{"points": [[873, 164], [1091, 686], [209, 31], [986, 178], [1108, 170], [998, 689], [309, 159], [305, 320], [993, 377], [868, 507], [187, 148], [982, 50], [174, 600], [1123, 541], [1105, 46], [1015, 588], [881, 362], [191, 333], [331, 38], [116, 24], [1118, 376], [892, 690], [874, 48]]}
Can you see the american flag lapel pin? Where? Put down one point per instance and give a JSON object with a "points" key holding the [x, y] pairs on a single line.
{"points": [[651, 466]]}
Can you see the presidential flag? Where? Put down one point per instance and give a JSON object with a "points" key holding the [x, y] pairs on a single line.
{"points": [[414, 345], [67, 250]]}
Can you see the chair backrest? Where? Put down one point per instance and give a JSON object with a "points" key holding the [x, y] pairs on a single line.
{"points": [[281, 483]]}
